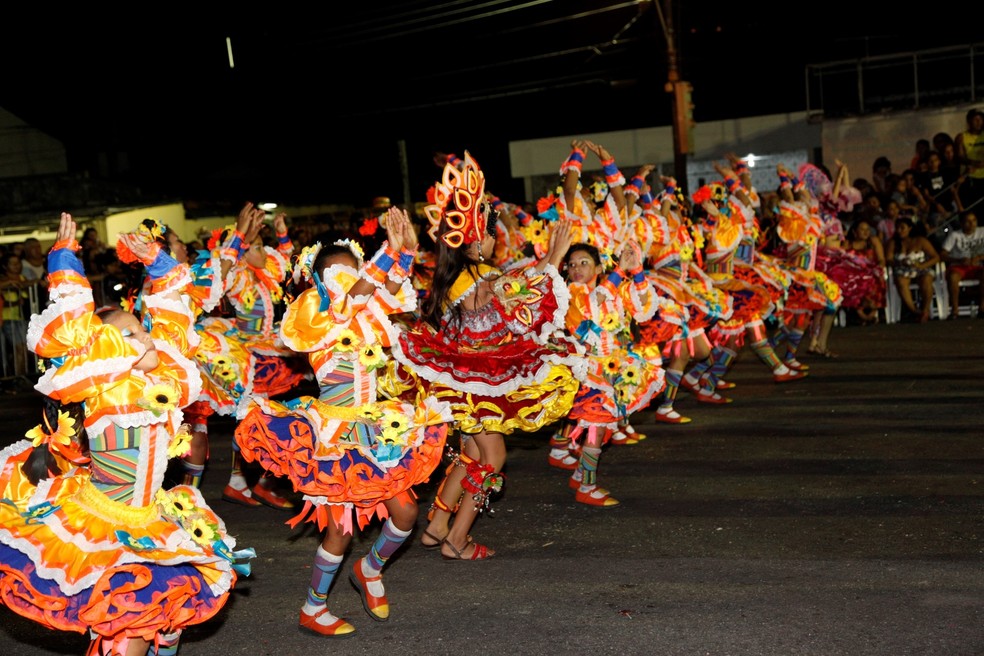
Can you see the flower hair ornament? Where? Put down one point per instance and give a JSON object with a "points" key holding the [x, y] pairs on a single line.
{"points": [[156, 230], [59, 439], [216, 238], [304, 266], [458, 201]]}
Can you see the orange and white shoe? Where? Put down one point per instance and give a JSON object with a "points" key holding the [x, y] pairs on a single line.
{"points": [[671, 416], [633, 434], [242, 497], [326, 624], [790, 375], [372, 592], [709, 396], [269, 497], [596, 496], [567, 461], [622, 438]]}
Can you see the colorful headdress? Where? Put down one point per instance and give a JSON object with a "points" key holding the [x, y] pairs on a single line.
{"points": [[714, 191], [304, 265], [457, 201], [599, 191], [216, 237]]}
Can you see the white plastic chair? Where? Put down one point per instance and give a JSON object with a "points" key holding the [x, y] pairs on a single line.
{"points": [[938, 310], [966, 309]]}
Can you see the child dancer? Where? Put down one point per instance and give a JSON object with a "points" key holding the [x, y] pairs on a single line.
{"points": [[486, 346], [619, 381], [89, 540], [348, 450]]}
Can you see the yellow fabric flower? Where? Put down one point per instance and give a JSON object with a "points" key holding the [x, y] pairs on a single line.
{"points": [[369, 412], [371, 357], [610, 322], [536, 235], [631, 376], [346, 340], [61, 435], [201, 531], [248, 300], [159, 398], [175, 504], [394, 425], [180, 443]]}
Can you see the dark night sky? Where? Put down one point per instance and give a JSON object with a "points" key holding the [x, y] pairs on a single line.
{"points": [[317, 102]]}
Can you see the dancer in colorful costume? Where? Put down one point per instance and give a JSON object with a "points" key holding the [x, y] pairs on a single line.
{"points": [[254, 286], [811, 291], [349, 450], [620, 381], [89, 540], [486, 345], [672, 246], [857, 277], [598, 218]]}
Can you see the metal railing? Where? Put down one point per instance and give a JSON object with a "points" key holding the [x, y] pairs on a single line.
{"points": [[905, 81]]}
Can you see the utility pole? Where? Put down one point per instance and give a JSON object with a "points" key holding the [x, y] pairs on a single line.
{"points": [[683, 107]]}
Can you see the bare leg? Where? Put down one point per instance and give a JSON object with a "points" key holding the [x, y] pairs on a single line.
{"points": [[902, 285], [492, 451], [926, 292]]}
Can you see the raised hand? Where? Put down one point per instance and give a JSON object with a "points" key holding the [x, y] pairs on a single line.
{"points": [[560, 242], [252, 218], [280, 223], [630, 258], [66, 228], [397, 225]]}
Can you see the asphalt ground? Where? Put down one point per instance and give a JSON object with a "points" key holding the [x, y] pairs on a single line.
{"points": [[838, 515]]}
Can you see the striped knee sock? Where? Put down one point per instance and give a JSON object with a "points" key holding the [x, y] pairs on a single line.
{"points": [[721, 365], [192, 473], [588, 466], [766, 354], [325, 566], [389, 540], [673, 377], [793, 339]]}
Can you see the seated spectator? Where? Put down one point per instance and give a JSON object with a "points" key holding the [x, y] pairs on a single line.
{"points": [[34, 261], [939, 187], [963, 253], [888, 220], [912, 259], [863, 242], [911, 200]]}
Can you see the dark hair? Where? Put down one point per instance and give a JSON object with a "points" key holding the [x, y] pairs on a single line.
{"points": [[881, 162], [587, 248], [450, 263], [327, 252], [41, 463]]}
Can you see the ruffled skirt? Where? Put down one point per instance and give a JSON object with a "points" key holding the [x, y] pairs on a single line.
{"points": [[519, 385], [72, 559], [344, 458]]}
